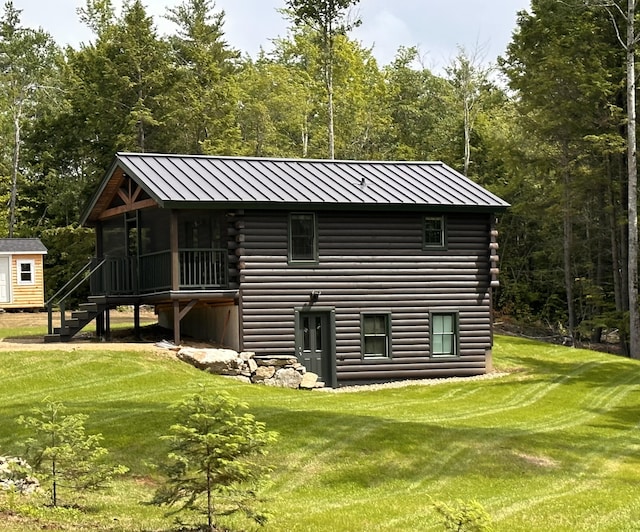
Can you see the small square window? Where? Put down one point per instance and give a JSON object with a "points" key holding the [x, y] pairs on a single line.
{"points": [[434, 232], [26, 272], [302, 238], [444, 334], [376, 335]]}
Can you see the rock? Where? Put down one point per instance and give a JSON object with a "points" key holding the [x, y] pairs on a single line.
{"points": [[228, 372], [300, 368], [309, 380], [251, 363], [263, 373], [15, 475], [275, 360], [272, 370], [215, 361], [287, 378]]}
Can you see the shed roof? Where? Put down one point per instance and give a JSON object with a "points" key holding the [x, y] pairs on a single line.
{"points": [[22, 245], [189, 181]]}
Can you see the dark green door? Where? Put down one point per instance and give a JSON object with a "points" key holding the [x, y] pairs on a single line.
{"points": [[314, 347]]}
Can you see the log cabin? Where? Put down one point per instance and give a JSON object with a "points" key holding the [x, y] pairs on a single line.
{"points": [[367, 271], [22, 273]]}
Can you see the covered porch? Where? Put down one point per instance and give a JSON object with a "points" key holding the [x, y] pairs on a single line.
{"points": [[162, 257]]}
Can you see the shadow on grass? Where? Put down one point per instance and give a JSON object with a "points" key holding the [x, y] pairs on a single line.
{"points": [[369, 451]]}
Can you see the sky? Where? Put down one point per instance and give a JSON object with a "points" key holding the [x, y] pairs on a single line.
{"points": [[437, 27]]}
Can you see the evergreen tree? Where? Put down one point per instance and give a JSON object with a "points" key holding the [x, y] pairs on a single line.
{"points": [[204, 96], [213, 461], [563, 67], [65, 453]]}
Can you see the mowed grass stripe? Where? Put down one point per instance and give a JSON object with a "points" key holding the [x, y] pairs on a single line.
{"points": [[587, 409], [554, 445]]}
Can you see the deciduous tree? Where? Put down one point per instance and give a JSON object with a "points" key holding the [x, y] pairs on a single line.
{"points": [[28, 62], [470, 82], [329, 18]]}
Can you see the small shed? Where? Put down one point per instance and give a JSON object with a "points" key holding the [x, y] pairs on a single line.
{"points": [[22, 273]]}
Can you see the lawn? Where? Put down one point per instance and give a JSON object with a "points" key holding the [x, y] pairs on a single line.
{"points": [[554, 444]]}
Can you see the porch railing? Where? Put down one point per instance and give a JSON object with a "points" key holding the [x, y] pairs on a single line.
{"points": [[203, 268], [199, 269]]}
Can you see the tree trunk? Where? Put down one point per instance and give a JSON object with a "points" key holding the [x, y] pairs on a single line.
{"points": [[328, 79], [332, 149], [567, 241], [616, 245], [305, 136], [467, 135], [15, 165], [209, 499], [634, 315]]}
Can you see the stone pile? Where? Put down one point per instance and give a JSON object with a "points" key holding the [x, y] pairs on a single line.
{"points": [[15, 475], [271, 370]]}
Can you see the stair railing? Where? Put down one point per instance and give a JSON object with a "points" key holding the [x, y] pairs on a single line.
{"points": [[60, 304]]}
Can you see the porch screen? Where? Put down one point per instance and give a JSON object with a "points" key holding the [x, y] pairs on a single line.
{"points": [[113, 237], [155, 231], [200, 230]]}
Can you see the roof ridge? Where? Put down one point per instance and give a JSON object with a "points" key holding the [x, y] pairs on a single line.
{"points": [[281, 159]]}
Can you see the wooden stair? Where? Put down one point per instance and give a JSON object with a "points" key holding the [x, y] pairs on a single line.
{"points": [[78, 320]]}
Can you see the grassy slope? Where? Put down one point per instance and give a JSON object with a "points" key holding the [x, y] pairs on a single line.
{"points": [[554, 445]]}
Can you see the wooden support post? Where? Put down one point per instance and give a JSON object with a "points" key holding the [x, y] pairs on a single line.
{"points": [[177, 317], [136, 320], [175, 253], [176, 322], [107, 324], [100, 325]]}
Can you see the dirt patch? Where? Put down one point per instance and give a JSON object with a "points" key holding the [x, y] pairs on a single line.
{"points": [[123, 337], [39, 319], [540, 461]]}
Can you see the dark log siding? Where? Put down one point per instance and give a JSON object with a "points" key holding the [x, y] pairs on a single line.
{"points": [[370, 262]]}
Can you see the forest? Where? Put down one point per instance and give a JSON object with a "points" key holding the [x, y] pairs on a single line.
{"points": [[544, 127]]}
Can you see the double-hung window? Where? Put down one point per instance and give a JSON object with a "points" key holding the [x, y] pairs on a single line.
{"points": [[303, 245], [444, 334], [434, 232], [376, 335], [26, 270]]}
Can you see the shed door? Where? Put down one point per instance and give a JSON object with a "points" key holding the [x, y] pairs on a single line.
{"points": [[315, 344], [5, 280]]}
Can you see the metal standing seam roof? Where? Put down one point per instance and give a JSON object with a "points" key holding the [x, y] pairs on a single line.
{"points": [[185, 179], [22, 245]]}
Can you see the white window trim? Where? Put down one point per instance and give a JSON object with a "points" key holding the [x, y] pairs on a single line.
{"points": [[32, 269], [456, 333]]}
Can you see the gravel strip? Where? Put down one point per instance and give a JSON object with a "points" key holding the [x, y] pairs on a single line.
{"points": [[404, 384]]}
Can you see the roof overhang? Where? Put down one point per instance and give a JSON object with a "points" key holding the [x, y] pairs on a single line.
{"points": [[197, 182], [273, 205], [109, 188]]}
